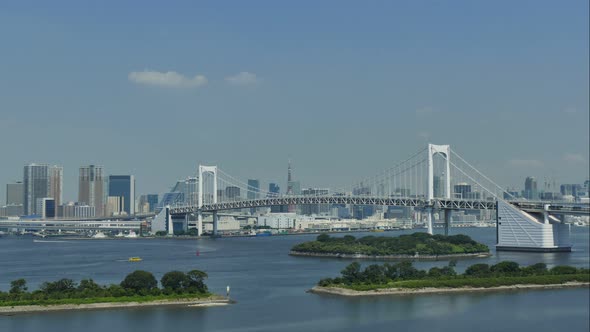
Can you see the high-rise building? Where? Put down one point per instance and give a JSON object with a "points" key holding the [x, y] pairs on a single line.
{"points": [[232, 192], [15, 193], [290, 191], [115, 206], [76, 210], [273, 190], [123, 186], [317, 209], [46, 207], [462, 190], [151, 200], [253, 189], [571, 189], [56, 175], [91, 188], [36, 184], [530, 188], [438, 186]]}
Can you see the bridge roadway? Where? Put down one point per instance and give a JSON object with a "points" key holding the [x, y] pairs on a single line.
{"points": [[71, 224], [419, 202]]}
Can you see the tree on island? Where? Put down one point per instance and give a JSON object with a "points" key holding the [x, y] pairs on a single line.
{"points": [[18, 286], [174, 281], [140, 282], [197, 281]]}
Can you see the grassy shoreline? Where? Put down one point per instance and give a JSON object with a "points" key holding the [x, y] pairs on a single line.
{"points": [[341, 291], [462, 282], [111, 299], [112, 303], [391, 257]]}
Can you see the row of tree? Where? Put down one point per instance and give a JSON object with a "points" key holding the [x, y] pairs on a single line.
{"points": [[137, 283], [410, 244], [382, 274]]}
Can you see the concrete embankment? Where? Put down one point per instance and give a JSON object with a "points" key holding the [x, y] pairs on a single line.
{"points": [[7, 310], [432, 290], [391, 257]]}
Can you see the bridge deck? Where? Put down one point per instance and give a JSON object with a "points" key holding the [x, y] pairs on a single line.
{"points": [[419, 202]]}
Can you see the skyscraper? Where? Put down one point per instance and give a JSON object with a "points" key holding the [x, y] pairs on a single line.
{"points": [[91, 188], [273, 190], [438, 186], [530, 188], [123, 186], [15, 193], [36, 183], [232, 192], [56, 175], [253, 189], [293, 187], [462, 190]]}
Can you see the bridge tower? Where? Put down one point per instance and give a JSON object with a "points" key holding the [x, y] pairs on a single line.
{"points": [[205, 170], [444, 150]]}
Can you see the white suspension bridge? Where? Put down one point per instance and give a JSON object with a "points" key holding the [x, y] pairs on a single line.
{"points": [[424, 181]]}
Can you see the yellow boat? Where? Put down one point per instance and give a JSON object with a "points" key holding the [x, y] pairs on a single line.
{"points": [[134, 259], [377, 230]]}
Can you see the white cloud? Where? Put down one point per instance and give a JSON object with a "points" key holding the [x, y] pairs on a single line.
{"points": [[243, 78], [425, 111], [528, 163], [424, 135], [570, 110], [574, 158], [167, 79]]}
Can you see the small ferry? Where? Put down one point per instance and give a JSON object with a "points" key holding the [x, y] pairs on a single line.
{"points": [[134, 259]]}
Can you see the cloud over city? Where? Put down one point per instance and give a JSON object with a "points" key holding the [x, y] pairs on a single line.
{"points": [[167, 79], [574, 158], [242, 79], [525, 163]]}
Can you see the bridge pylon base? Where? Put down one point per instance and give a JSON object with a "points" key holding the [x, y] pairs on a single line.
{"points": [[521, 231]]}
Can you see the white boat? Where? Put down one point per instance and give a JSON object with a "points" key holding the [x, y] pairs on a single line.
{"points": [[120, 234], [99, 235], [131, 234]]}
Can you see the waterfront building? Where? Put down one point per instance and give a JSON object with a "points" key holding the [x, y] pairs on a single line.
{"points": [[274, 191], [151, 200], [232, 192], [462, 190], [530, 188], [123, 186], [91, 188], [115, 206], [571, 189], [438, 186], [77, 210], [46, 208], [11, 210], [15, 193], [56, 174], [253, 189], [316, 209], [36, 185]]}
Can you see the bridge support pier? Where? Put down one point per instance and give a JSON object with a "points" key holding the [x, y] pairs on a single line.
{"points": [[200, 223], [429, 217], [448, 216], [215, 218]]}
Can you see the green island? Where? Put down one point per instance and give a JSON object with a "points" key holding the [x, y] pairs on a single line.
{"points": [[415, 246], [404, 278], [139, 288]]}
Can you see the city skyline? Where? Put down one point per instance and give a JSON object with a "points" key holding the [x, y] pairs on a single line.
{"points": [[512, 98]]}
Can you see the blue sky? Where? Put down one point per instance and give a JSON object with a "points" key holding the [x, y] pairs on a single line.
{"points": [[343, 88]]}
